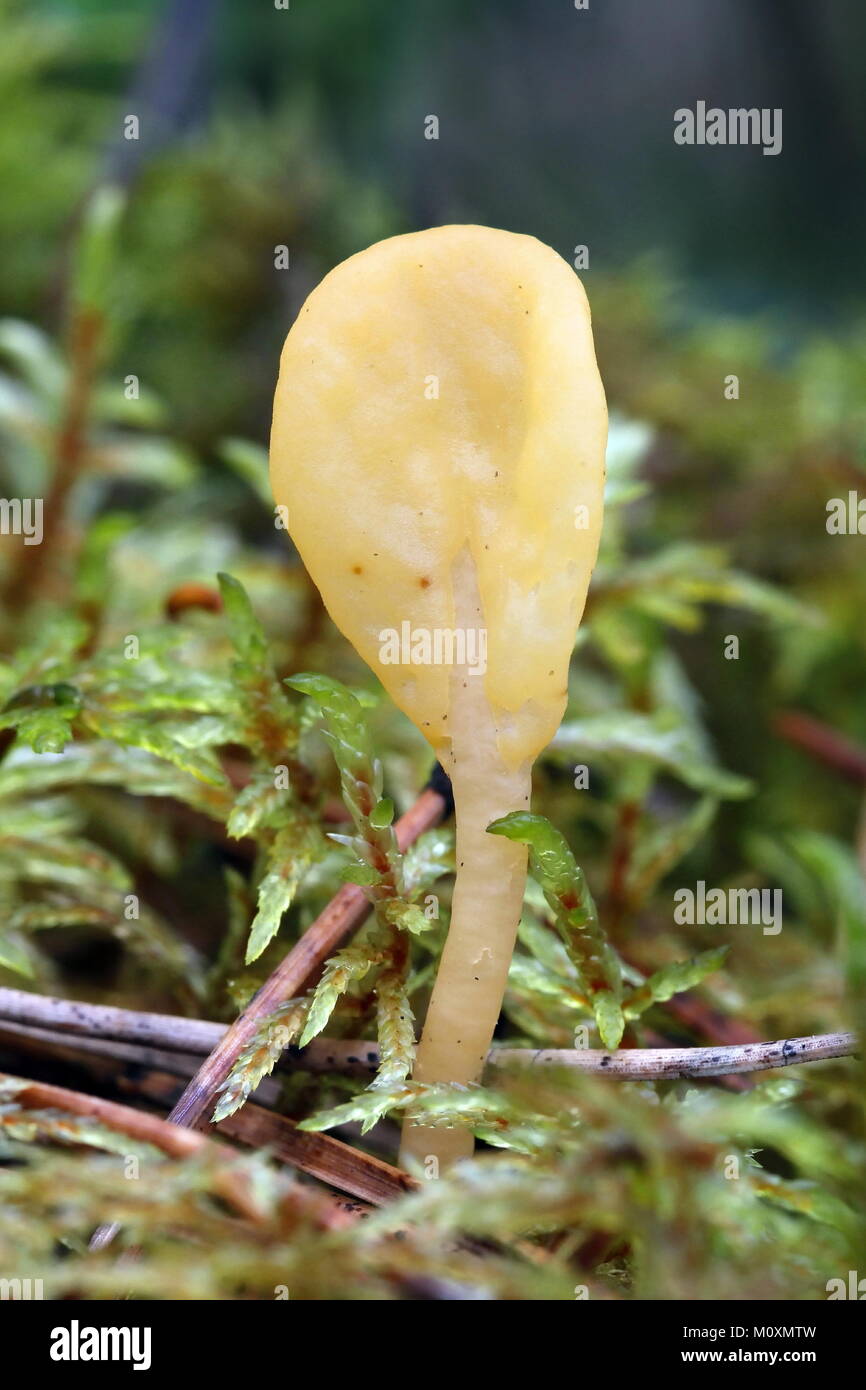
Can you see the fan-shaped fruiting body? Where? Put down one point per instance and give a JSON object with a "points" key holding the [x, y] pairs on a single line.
{"points": [[438, 441]]}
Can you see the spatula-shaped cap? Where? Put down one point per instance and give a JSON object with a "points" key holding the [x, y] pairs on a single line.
{"points": [[439, 394]]}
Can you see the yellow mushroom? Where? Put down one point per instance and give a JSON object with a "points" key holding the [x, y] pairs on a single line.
{"points": [[438, 441]]}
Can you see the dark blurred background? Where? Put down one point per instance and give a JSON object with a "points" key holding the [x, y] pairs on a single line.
{"points": [[305, 126]]}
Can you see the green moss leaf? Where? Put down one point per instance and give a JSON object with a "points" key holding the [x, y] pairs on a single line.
{"points": [[673, 979], [662, 740]]}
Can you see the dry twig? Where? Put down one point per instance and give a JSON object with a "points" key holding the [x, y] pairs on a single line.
{"points": [[358, 1057], [171, 1140], [136, 1071], [297, 971]]}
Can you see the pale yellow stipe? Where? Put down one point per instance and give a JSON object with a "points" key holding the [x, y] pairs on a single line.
{"points": [[438, 441]]}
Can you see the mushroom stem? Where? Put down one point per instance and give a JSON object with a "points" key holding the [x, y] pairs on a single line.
{"points": [[488, 897]]}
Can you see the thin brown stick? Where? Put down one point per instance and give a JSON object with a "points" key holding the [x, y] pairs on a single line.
{"points": [[299, 969], [138, 1124], [27, 575], [333, 1162], [363, 1176], [170, 1139], [617, 901], [823, 742], [321, 1156]]}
